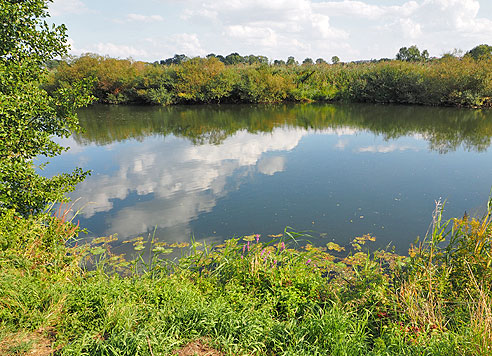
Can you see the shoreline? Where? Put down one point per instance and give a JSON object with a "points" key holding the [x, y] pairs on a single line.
{"points": [[245, 297]]}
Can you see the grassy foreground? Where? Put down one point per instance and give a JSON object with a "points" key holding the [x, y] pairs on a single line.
{"points": [[245, 297]]}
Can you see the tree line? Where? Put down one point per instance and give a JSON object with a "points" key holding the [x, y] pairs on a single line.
{"points": [[410, 54], [411, 78], [236, 58]]}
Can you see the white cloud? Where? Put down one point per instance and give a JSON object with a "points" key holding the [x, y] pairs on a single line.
{"points": [[267, 27], [65, 7], [262, 36], [350, 8], [433, 22], [271, 165], [114, 50], [304, 27], [187, 178], [387, 148], [410, 29], [144, 18], [187, 43], [350, 29]]}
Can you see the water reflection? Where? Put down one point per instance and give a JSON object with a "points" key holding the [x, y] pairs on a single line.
{"points": [[183, 180], [216, 171], [445, 129]]}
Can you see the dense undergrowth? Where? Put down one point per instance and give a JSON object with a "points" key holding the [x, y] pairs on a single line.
{"points": [[246, 296], [448, 81]]}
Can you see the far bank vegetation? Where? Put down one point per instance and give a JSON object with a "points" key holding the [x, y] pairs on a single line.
{"points": [[411, 78]]}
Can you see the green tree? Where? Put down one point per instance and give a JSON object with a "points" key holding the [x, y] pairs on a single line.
{"points": [[291, 61], [177, 59], [233, 58], [482, 51], [335, 59], [29, 117], [252, 59], [412, 54], [308, 61]]}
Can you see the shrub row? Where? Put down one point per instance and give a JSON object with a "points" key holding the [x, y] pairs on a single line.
{"points": [[446, 82]]}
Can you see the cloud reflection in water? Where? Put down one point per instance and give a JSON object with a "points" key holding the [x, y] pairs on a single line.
{"points": [[185, 180]]}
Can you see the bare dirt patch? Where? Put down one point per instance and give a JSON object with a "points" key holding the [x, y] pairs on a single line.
{"points": [[26, 344], [197, 348]]}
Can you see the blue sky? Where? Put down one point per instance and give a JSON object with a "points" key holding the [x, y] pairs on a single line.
{"points": [[157, 29]]}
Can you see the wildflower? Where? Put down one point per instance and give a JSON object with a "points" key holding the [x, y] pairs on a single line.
{"points": [[244, 248], [257, 238], [308, 261], [282, 246], [242, 256], [248, 246], [262, 253]]}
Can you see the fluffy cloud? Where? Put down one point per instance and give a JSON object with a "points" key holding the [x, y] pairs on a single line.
{"points": [[144, 18], [428, 23], [115, 50], [65, 7], [262, 36], [304, 28], [387, 148], [187, 43], [277, 28], [148, 49], [271, 165], [350, 29]]}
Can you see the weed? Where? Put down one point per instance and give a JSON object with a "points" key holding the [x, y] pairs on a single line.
{"points": [[252, 295]]}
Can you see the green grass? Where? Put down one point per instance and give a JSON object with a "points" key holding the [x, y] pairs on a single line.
{"points": [[247, 297]]}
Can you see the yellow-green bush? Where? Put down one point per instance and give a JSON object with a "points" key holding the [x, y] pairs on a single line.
{"points": [[448, 81]]}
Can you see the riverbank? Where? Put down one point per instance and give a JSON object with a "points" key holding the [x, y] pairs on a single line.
{"points": [[246, 296], [449, 81]]}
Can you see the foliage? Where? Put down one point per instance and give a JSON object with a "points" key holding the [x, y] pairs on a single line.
{"points": [[291, 61], [177, 59], [308, 61], [479, 52], [29, 117], [250, 295], [414, 79], [412, 54], [449, 277]]}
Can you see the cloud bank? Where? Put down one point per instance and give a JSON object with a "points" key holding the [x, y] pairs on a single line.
{"points": [[351, 29]]}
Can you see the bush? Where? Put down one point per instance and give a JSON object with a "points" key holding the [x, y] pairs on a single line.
{"points": [[448, 81]]}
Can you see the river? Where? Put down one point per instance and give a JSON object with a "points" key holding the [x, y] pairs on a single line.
{"points": [[338, 171]]}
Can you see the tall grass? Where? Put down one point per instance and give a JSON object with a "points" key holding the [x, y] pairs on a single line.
{"points": [[253, 295]]}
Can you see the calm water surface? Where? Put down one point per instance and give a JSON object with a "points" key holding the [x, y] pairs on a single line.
{"points": [[339, 171]]}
